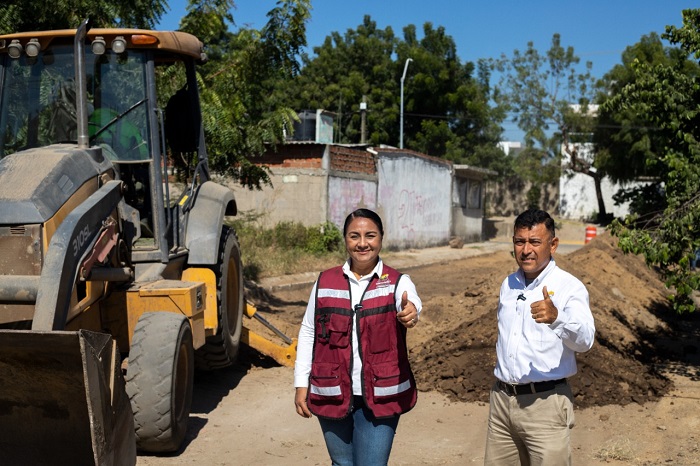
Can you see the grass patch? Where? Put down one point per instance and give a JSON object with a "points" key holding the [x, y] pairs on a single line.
{"points": [[618, 450], [287, 248]]}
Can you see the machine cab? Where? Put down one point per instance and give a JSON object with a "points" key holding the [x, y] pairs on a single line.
{"points": [[132, 76]]}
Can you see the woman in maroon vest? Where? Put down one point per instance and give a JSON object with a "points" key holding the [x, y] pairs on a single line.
{"points": [[352, 368]]}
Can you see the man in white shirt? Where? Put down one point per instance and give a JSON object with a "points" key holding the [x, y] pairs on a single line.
{"points": [[544, 319]]}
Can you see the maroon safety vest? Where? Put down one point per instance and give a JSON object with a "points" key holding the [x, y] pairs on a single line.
{"points": [[388, 386]]}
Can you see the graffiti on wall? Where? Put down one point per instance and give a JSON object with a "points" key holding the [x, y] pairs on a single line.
{"points": [[412, 198], [416, 211], [346, 195]]}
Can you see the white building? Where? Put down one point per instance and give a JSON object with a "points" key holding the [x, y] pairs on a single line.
{"points": [[510, 147], [577, 195]]}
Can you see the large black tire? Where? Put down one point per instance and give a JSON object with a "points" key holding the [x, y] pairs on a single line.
{"points": [[221, 350], [159, 380]]}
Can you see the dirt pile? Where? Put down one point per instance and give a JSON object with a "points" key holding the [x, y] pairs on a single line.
{"points": [[456, 353]]}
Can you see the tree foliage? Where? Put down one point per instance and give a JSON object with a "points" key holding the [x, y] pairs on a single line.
{"points": [[36, 15], [239, 115], [346, 68], [628, 144], [669, 97], [446, 103], [539, 91]]}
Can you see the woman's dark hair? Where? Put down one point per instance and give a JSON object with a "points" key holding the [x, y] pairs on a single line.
{"points": [[363, 213], [532, 217]]}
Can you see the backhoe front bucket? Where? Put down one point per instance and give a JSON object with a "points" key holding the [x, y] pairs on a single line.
{"points": [[62, 400]]}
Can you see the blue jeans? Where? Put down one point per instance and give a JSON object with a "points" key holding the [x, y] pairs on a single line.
{"points": [[359, 439]]}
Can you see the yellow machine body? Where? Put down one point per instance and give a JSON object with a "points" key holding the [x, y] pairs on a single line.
{"points": [[184, 297]]}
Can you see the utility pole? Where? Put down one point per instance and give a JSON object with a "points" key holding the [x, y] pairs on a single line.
{"points": [[340, 116], [363, 124], [405, 67]]}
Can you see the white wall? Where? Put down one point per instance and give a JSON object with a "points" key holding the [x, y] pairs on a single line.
{"points": [[413, 194], [578, 201], [414, 200], [467, 208], [577, 196]]}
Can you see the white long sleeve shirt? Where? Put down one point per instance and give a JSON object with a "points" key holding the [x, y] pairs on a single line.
{"points": [[531, 352], [302, 366]]}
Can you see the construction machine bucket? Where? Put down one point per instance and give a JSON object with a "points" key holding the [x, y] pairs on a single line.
{"points": [[62, 400]]}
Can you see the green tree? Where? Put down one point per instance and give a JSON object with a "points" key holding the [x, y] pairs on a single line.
{"points": [[344, 70], [240, 113], [669, 98], [548, 97], [628, 144], [446, 107], [24, 15]]}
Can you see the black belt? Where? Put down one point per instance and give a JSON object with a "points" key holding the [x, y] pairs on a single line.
{"points": [[528, 388]]}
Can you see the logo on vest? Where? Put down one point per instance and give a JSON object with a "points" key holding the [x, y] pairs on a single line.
{"points": [[383, 281]]}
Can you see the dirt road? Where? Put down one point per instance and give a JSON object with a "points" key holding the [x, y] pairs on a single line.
{"points": [[249, 419], [637, 391]]}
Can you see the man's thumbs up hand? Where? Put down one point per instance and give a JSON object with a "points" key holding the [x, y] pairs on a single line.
{"points": [[545, 293], [544, 312]]}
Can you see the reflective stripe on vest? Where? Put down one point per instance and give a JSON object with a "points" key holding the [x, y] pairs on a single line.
{"points": [[330, 293], [393, 390], [384, 291], [326, 391]]}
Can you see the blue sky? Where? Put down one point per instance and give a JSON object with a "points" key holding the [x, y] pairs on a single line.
{"points": [[599, 30]]}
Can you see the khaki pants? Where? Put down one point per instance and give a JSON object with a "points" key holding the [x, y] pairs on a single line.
{"points": [[530, 430]]}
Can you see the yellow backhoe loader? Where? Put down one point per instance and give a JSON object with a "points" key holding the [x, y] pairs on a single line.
{"points": [[112, 288]]}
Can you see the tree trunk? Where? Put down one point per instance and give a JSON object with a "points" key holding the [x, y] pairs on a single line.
{"points": [[602, 214]]}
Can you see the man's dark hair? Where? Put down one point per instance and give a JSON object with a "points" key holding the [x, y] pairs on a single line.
{"points": [[363, 213], [532, 217]]}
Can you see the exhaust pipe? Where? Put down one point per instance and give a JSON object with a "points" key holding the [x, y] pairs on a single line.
{"points": [[81, 83]]}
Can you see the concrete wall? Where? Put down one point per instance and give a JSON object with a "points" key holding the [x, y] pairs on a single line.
{"points": [[467, 224], [347, 194], [509, 197], [577, 196], [412, 192], [467, 209], [296, 195], [414, 199], [299, 191]]}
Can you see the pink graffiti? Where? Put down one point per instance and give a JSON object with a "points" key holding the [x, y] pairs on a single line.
{"points": [[412, 209]]}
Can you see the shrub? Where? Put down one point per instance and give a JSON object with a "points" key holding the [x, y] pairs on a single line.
{"points": [[288, 247], [324, 238]]}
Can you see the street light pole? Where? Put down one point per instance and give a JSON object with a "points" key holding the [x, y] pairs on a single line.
{"points": [[405, 67]]}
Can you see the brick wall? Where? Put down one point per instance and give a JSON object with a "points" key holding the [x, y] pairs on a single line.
{"points": [[311, 155], [352, 160], [293, 156]]}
